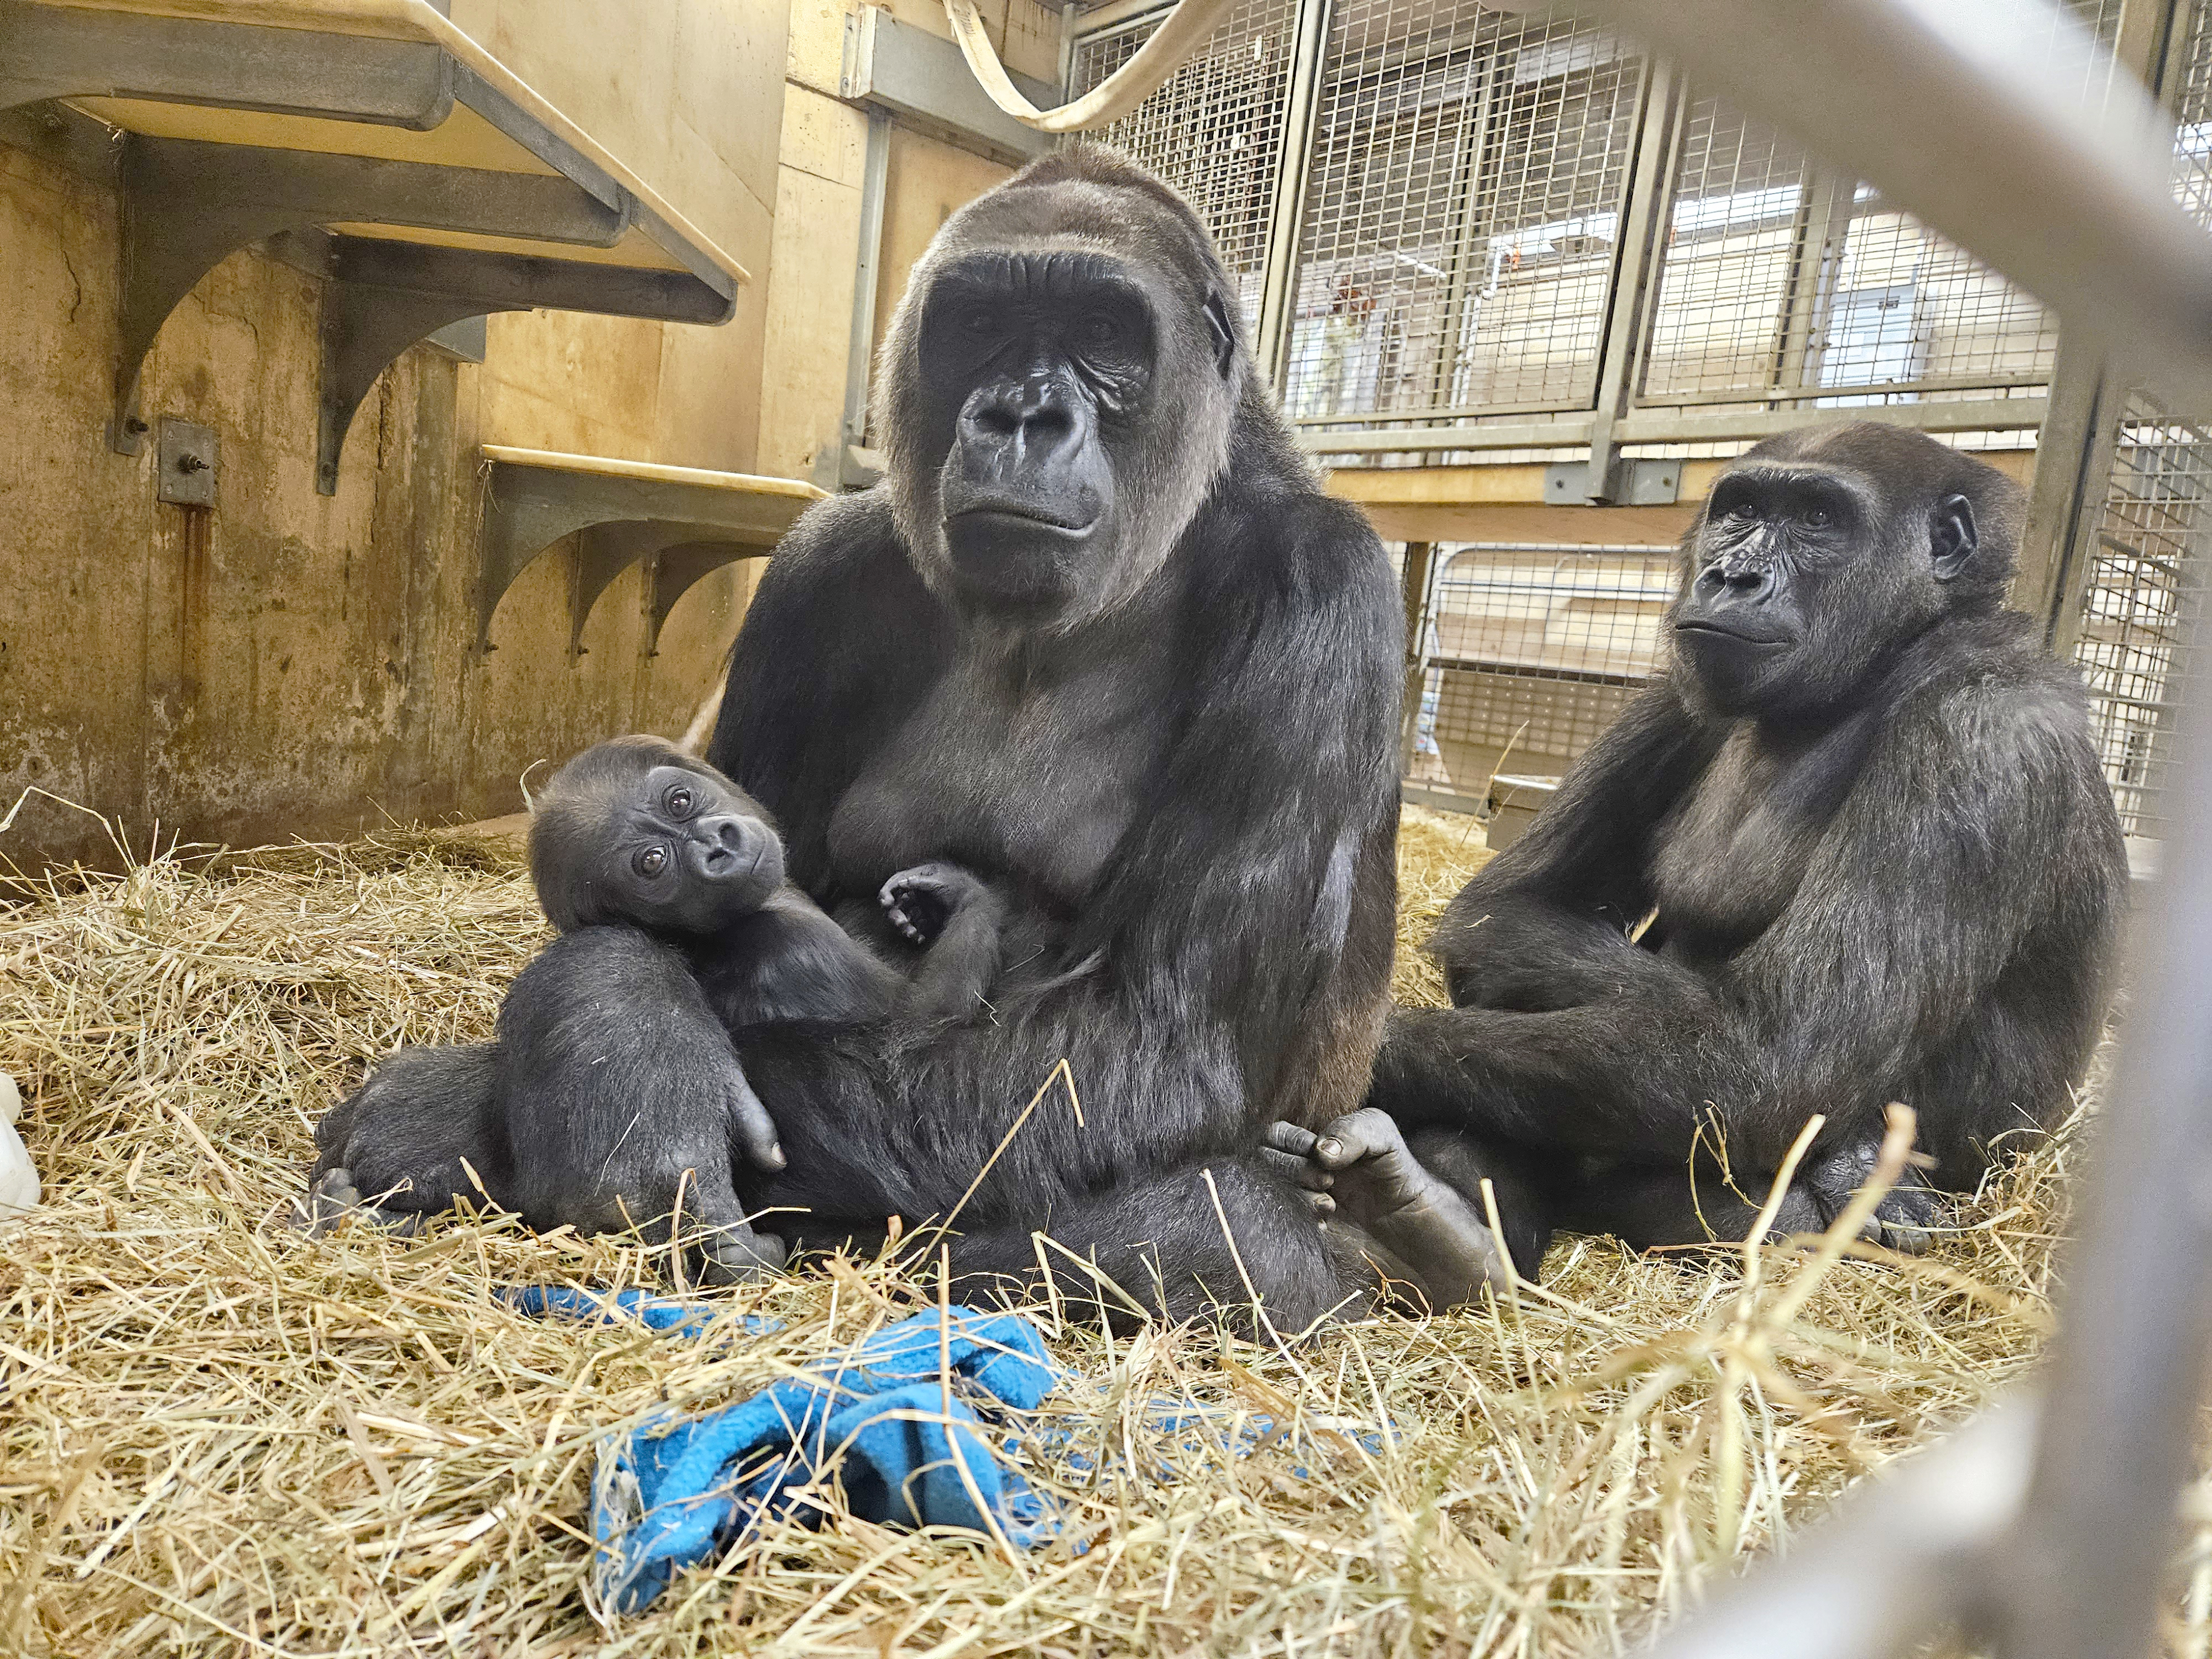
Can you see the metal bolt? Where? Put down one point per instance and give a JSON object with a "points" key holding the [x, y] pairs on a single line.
{"points": [[134, 425], [190, 464]]}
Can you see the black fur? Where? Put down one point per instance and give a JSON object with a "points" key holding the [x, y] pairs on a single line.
{"points": [[1868, 815], [1144, 681]]}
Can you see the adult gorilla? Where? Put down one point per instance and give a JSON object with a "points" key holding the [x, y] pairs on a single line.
{"points": [[1099, 638], [1856, 849]]}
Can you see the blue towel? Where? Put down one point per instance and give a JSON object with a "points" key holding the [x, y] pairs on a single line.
{"points": [[678, 1489]]}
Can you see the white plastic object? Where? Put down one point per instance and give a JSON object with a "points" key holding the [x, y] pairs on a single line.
{"points": [[19, 1182]]}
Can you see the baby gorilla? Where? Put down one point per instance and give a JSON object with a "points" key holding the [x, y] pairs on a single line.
{"points": [[663, 876]]}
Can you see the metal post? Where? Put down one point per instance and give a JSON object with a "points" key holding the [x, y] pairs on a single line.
{"points": [[2074, 454], [859, 348], [1651, 192], [1414, 583], [1814, 260], [1469, 243], [1278, 287]]}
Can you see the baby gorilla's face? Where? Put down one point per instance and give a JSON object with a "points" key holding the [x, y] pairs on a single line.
{"points": [[684, 852]]}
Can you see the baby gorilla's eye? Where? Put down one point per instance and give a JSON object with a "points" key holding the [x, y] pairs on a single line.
{"points": [[650, 861], [678, 801]]}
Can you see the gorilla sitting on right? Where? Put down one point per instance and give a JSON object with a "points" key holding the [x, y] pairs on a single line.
{"points": [[1855, 848]]}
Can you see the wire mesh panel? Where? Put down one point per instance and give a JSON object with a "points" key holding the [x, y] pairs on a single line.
{"points": [[1531, 651], [2146, 586], [1779, 280], [1214, 131], [1464, 197]]}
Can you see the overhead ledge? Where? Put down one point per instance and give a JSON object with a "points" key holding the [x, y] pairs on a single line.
{"points": [[389, 152], [684, 522]]}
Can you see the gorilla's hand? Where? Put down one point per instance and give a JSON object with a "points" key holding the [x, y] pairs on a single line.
{"points": [[919, 902]]}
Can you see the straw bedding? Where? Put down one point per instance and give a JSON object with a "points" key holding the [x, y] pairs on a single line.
{"points": [[218, 1437]]}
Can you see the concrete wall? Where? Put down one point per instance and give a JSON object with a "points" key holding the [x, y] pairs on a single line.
{"points": [[291, 663]]}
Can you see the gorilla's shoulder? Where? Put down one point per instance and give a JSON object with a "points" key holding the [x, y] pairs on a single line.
{"points": [[1288, 535], [838, 540], [1998, 706]]}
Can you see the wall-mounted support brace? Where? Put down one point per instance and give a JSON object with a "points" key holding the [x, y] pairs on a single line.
{"points": [[689, 521], [676, 570], [188, 205]]}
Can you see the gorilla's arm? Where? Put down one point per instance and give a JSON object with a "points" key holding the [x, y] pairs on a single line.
{"points": [[1545, 924], [840, 644], [1856, 974]]}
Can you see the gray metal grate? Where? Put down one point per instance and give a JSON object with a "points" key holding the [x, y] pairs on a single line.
{"points": [[1214, 131], [1465, 194], [1531, 651], [2146, 585], [1779, 280]]}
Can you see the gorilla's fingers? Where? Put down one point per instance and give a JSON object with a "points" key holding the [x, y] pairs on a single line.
{"points": [[732, 1255], [1290, 1137], [1357, 1135], [750, 1126], [1303, 1171]]}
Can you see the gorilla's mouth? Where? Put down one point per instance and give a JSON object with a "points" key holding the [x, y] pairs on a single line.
{"points": [[1010, 516], [1733, 635], [718, 863]]}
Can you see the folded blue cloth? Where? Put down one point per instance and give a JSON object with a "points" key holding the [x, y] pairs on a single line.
{"points": [[915, 1420]]}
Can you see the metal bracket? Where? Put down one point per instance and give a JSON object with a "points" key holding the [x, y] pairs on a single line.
{"points": [[186, 457], [922, 78], [1628, 483], [687, 521]]}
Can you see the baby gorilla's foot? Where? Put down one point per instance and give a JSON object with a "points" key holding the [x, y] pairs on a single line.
{"points": [[333, 1196], [1360, 1164], [919, 902]]}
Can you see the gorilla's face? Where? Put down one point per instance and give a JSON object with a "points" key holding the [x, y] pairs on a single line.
{"points": [[636, 831], [1041, 365], [1060, 387], [1802, 576]]}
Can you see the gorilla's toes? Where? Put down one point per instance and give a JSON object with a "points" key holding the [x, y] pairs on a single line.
{"points": [[736, 1255]]}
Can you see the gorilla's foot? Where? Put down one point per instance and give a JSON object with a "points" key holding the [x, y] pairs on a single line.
{"points": [[332, 1196], [1361, 1165]]}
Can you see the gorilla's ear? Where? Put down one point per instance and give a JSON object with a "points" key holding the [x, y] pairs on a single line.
{"points": [[1951, 537], [1223, 332]]}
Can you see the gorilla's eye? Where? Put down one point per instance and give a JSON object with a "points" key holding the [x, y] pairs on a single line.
{"points": [[1741, 510], [650, 861], [1099, 329], [678, 801], [1819, 518], [977, 323]]}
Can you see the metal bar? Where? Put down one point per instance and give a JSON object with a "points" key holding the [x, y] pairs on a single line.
{"points": [[2099, 1525], [1650, 186], [1664, 427], [1413, 584], [1955, 109], [1467, 240], [1294, 160], [1900, 1557], [2073, 465], [1812, 264], [861, 344]]}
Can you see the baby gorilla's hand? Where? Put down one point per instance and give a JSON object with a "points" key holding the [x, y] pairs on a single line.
{"points": [[920, 901]]}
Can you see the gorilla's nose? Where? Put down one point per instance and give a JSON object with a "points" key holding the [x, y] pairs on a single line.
{"points": [[1730, 586], [726, 841], [1025, 449]]}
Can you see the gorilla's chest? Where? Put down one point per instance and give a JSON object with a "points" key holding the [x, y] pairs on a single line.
{"points": [[1028, 776], [1733, 855]]}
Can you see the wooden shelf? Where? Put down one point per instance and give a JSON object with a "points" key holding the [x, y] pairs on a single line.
{"points": [[683, 520], [380, 146]]}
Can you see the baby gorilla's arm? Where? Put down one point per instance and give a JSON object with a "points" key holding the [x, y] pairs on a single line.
{"points": [[964, 947], [1427, 1232]]}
